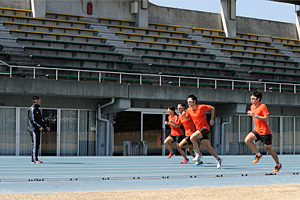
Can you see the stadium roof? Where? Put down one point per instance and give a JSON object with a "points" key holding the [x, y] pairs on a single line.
{"points": [[296, 2]]}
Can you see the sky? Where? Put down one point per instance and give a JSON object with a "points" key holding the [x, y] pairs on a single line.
{"points": [[262, 9]]}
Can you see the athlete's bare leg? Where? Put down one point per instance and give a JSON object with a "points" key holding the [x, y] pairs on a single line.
{"points": [[167, 143], [272, 153], [190, 149], [207, 145], [249, 141], [184, 144], [194, 137], [181, 151]]}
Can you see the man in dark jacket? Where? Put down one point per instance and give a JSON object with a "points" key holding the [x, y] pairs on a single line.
{"points": [[36, 125]]}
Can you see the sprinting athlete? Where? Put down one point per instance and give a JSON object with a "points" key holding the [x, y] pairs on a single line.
{"points": [[197, 114], [189, 128], [260, 114], [176, 134]]}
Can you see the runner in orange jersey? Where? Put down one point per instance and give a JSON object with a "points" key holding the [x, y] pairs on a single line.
{"points": [[189, 128], [198, 114], [260, 114], [176, 134]]}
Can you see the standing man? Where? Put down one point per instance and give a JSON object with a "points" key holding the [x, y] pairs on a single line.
{"points": [[176, 134], [260, 115], [36, 125], [197, 114]]}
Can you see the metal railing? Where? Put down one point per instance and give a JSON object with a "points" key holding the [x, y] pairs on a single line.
{"points": [[178, 79]]}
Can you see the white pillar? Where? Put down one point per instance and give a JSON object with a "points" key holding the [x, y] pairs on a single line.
{"points": [[228, 14], [298, 22], [38, 8]]}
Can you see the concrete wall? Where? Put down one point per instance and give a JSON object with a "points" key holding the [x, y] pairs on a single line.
{"points": [[184, 18], [119, 9], [25, 100], [266, 27], [19, 4], [141, 96]]}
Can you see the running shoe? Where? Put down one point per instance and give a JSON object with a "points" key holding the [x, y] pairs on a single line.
{"points": [[38, 162], [198, 163], [197, 157], [219, 163], [277, 168], [186, 160], [170, 155], [256, 158]]}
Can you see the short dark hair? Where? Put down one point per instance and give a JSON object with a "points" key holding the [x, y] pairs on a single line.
{"points": [[257, 94], [171, 108], [182, 104], [192, 97], [34, 98]]}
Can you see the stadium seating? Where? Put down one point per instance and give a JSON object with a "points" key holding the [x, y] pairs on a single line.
{"points": [[120, 22], [44, 21], [65, 41], [63, 16], [14, 11]]}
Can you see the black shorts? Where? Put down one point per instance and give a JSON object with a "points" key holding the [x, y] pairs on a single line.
{"points": [[204, 133], [177, 139], [266, 139], [188, 140]]}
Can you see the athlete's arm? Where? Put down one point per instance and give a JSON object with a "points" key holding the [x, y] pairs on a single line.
{"points": [[173, 124], [184, 114], [212, 114], [263, 118]]}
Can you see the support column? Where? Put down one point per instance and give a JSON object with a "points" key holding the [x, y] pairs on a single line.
{"points": [[228, 14], [38, 8], [143, 14], [298, 22]]}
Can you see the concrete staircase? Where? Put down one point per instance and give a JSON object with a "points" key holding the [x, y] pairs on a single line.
{"points": [[213, 50], [10, 45]]}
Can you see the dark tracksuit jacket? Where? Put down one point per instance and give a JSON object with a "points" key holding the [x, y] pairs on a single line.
{"points": [[35, 121]]}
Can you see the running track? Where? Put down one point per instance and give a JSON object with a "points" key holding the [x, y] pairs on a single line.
{"points": [[75, 174]]}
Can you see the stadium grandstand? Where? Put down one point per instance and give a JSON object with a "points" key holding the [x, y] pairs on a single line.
{"points": [[107, 71]]}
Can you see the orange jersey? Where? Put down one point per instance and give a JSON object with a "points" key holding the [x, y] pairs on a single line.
{"points": [[261, 127], [199, 116], [188, 125], [175, 131]]}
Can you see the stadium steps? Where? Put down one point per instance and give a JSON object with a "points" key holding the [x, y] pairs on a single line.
{"points": [[14, 11], [50, 29], [63, 16], [120, 46], [120, 22], [156, 38], [87, 62], [147, 31], [269, 68], [195, 70], [44, 21], [166, 27], [265, 61], [64, 44], [91, 68], [220, 56], [172, 53], [73, 53]]}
